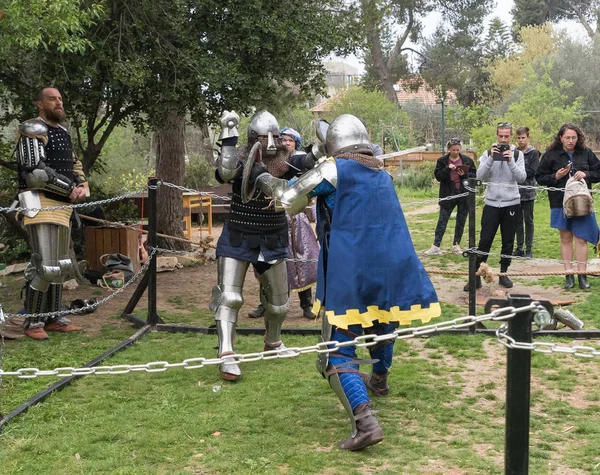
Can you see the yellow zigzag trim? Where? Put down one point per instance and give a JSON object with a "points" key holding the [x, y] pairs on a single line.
{"points": [[366, 319]]}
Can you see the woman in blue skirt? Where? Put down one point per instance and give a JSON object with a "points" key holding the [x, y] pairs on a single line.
{"points": [[567, 157]]}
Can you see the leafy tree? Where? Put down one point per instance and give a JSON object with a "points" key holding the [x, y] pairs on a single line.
{"points": [[383, 18], [465, 119], [536, 45], [529, 13], [457, 57], [199, 56], [577, 62], [151, 62], [542, 106], [373, 107], [537, 12], [60, 24]]}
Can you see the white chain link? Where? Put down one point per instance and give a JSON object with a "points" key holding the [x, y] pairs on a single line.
{"points": [[436, 200], [544, 347], [75, 205], [363, 341], [93, 306], [529, 187]]}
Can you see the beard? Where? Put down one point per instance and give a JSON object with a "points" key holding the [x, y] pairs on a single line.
{"points": [[55, 115], [277, 164]]}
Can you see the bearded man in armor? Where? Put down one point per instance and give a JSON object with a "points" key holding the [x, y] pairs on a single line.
{"points": [[369, 278], [49, 175], [255, 233]]}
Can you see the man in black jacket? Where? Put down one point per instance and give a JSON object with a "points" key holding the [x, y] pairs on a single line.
{"points": [[532, 161], [450, 170]]}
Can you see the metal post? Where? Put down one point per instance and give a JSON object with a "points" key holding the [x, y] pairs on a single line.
{"points": [[152, 224], [471, 183], [443, 128], [518, 388]]}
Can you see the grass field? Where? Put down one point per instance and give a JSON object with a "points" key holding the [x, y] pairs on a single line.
{"points": [[445, 412]]}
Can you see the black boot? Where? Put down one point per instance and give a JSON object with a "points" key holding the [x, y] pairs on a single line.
{"points": [[477, 283], [583, 283], [519, 252], [368, 430], [308, 313], [257, 312], [377, 382], [505, 282], [569, 281]]}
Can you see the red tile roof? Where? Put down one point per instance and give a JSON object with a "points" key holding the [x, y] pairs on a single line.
{"points": [[423, 95]]}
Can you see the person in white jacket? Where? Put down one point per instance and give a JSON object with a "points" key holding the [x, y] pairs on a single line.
{"points": [[503, 170]]}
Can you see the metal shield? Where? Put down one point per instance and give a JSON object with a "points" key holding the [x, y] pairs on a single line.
{"points": [[254, 156]]}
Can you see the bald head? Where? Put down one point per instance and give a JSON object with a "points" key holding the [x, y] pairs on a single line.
{"points": [[50, 105]]}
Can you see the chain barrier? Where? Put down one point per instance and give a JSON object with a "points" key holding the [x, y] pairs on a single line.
{"points": [[544, 347], [436, 200], [227, 198], [74, 205], [529, 187], [363, 341], [93, 306]]}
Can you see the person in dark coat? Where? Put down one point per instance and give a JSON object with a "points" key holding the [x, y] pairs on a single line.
{"points": [[567, 156], [450, 170]]}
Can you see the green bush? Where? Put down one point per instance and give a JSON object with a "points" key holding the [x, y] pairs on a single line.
{"points": [[417, 177]]}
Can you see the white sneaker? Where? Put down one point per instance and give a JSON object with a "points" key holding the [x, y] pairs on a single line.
{"points": [[456, 249], [433, 251]]}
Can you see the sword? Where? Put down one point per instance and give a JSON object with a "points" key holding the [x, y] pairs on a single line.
{"points": [[404, 152]]}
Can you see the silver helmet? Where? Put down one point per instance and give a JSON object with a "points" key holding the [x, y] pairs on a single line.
{"points": [[265, 124], [347, 134]]}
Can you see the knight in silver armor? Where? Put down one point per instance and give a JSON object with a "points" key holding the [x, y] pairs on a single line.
{"points": [[49, 175], [303, 249], [256, 233], [370, 278]]}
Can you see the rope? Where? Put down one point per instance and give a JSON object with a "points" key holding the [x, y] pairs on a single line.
{"points": [[488, 275]]}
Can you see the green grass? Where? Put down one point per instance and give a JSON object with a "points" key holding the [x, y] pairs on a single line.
{"points": [[281, 417]]}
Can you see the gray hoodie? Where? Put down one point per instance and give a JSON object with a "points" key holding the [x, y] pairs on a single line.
{"points": [[503, 173]]}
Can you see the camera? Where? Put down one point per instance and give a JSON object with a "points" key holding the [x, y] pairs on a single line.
{"points": [[499, 156]]}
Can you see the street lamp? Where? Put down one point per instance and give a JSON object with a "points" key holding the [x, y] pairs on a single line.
{"points": [[442, 101]]}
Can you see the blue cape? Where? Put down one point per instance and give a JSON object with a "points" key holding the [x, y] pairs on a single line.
{"points": [[372, 271]]}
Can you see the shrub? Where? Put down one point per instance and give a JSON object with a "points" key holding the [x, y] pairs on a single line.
{"points": [[417, 177]]}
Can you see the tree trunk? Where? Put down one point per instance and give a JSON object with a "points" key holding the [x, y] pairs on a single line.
{"points": [[374, 42], [170, 166]]}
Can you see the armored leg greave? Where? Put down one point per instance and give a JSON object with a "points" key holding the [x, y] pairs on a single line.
{"points": [[50, 265], [341, 370], [275, 299], [227, 300]]}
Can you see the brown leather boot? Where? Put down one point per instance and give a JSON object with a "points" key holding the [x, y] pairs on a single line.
{"points": [[62, 327], [36, 333], [376, 382], [368, 430]]}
